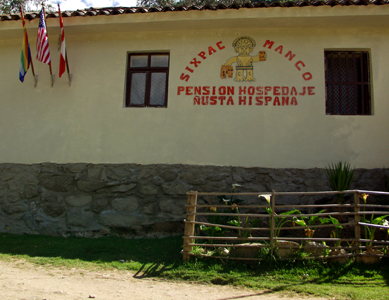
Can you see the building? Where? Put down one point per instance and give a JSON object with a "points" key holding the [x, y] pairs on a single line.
{"points": [[167, 100]]}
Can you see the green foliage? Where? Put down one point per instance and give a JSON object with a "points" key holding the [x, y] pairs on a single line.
{"points": [[340, 176], [310, 222], [281, 221], [336, 232], [13, 6]]}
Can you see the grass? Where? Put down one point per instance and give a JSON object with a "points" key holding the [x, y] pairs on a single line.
{"points": [[162, 258]]}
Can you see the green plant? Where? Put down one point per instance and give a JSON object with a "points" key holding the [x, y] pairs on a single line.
{"points": [[370, 231], [310, 222], [279, 220], [340, 176], [336, 232], [246, 224]]}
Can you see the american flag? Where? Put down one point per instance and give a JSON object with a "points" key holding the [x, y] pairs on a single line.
{"points": [[42, 42]]}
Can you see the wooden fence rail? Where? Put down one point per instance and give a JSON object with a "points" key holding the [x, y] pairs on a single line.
{"points": [[351, 215]]}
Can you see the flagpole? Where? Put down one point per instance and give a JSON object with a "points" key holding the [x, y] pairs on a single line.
{"points": [[32, 65], [67, 67], [51, 72]]}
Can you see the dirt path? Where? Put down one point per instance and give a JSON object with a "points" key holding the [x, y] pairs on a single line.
{"points": [[22, 281]]}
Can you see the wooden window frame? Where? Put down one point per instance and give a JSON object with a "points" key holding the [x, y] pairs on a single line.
{"points": [[148, 71], [357, 99]]}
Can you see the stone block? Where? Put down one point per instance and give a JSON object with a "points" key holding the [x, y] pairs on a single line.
{"points": [[79, 218], [178, 188], [112, 219], [79, 200], [173, 207], [169, 176], [129, 204], [90, 185], [148, 189], [53, 209], [58, 183], [100, 203]]}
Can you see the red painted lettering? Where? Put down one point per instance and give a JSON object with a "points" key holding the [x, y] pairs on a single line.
{"points": [[285, 101], [259, 90], [197, 90], [276, 101], [307, 76], [184, 77], [230, 101], [285, 90], [267, 89], [222, 90], [293, 101], [211, 50], [213, 100], [196, 100], [180, 89], [267, 99], [189, 69], [202, 55], [250, 100], [310, 90], [195, 62], [279, 49], [251, 90], [204, 100], [230, 90], [259, 100], [291, 55], [206, 90], [268, 44], [303, 92], [299, 63], [276, 90], [293, 91], [222, 98], [218, 44], [188, 90], [242, 100], [242, 90]]}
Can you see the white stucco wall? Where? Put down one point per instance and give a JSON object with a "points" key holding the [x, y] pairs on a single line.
{"points": [[88, 122]]}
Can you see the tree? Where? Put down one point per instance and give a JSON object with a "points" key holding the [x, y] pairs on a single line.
{"points": [[162, 3], [13, 6]]}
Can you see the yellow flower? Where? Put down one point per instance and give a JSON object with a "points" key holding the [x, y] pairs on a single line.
{"points": [[213, 209], [234, 206], [364, 197]]}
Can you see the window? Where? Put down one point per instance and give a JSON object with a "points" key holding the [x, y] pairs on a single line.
{"points": [[347, 83], [147, 79]]}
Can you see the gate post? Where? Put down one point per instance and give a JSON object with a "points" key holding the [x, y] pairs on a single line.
{"points": [[189, 227]]}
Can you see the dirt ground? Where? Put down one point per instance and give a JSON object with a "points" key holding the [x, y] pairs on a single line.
{"points": [[22, 281]]}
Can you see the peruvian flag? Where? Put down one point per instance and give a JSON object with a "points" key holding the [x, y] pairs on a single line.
{"points": [[62, 59]]}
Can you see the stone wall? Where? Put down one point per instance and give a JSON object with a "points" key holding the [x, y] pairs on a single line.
{"points": [[138, 200]]}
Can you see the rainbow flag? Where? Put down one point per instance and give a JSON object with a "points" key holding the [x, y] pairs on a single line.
{"points": [[25, 60]]}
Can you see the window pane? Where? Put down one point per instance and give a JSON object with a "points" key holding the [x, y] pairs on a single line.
{"points": [[158, 89], [139, 61], [160, 60], [138, 88]]}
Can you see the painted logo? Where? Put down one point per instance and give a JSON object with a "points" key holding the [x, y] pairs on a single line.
{"points": [[244, 69]]}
